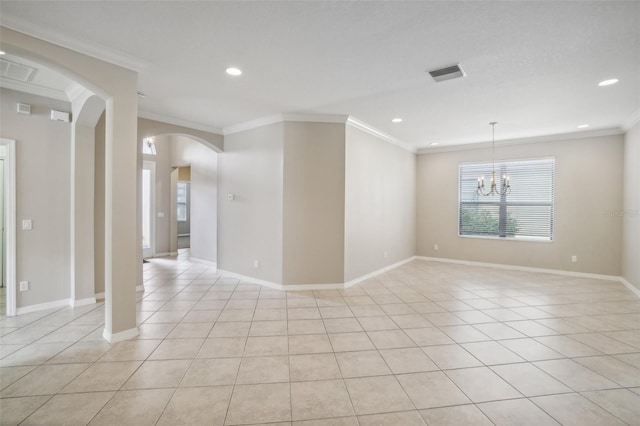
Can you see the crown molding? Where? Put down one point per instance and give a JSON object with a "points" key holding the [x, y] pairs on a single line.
{"points": [[179, 122], [522, 141], [360, 125], [252, 124], [316, 118], [94, 50], [33, 89], [631, 121]]}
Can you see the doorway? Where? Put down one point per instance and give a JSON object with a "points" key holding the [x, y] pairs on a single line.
{"points": [[8, 225], [183, 207], [148, 208]]}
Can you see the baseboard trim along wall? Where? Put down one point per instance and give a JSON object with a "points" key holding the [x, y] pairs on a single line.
{"points": [[120, 336], [614, 278], [303, 287], [82, 302], [99, 296], [139, 288], [204, 262], [43, 306]]}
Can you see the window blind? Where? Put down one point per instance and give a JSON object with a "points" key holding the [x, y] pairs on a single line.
{"points": [[525, 213]]}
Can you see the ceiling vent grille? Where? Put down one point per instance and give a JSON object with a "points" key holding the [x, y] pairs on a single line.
{"points": [[16, 71], [447, 73]]}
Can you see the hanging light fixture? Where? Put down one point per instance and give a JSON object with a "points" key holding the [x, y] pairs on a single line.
{"points": [[506, 187]]}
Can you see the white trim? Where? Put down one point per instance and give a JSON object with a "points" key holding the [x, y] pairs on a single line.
{"points": [[522, 268], [34, 89], [316, 118], [631, 121], [82, 302], [56, 304], [94, 50], [120, 336], [183, 235], [151, 166], [465, 146], [163, 254], [75, 89], [139, 288], [99, 296], [253, 280], [360, 125], [252, 124], [10, 224], [204, 262], [361, 278], [327, 286], [179, 122], [630, 286]]}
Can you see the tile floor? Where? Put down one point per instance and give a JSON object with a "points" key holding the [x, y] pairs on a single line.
{"points": [[427, 343]]}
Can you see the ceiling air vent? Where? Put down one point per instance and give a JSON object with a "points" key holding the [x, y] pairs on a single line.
{"points": [[447, 73], [16, 71]]}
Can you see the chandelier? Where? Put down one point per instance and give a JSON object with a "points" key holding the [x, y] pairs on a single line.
{"points": [[506, 187]]}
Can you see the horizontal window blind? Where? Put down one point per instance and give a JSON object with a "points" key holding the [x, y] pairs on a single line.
{"points": [[526, 212]]}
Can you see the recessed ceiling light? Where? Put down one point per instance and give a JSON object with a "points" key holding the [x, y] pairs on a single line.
{"points": [[434, 144], [234, 71], [397, 120], [608, 82], [583, 126]]}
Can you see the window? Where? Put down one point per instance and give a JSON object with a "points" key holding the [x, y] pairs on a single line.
{"points": [[182, 201], [525, 213], [148, 146]]}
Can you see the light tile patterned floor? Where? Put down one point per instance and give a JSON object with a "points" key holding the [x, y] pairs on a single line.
{"points": [[427, 343]]}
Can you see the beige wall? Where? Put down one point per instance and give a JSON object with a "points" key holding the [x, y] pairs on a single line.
{"points": [[203, 196], [631, 207], [313, 203], [250, 226], [43, 157], [588, 185], [380, 209]]}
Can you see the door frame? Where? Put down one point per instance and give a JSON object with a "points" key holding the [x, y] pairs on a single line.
{"points": [[10, 223], [151, 251]]}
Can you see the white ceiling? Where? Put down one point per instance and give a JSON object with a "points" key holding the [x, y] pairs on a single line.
{"points": [[531, 66]]}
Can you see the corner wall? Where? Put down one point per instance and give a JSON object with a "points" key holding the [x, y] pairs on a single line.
{"points": [[380, 204], [313, 204], [631, 208], [43, 163], [250, 226], [588, 187]]}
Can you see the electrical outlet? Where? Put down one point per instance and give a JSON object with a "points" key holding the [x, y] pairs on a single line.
{"points": [[256, 264], [435, 247], [24, 285], [574, 258]]}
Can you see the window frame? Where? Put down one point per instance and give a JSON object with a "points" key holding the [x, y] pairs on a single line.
{"points": [[186, 200], [535, 239]]}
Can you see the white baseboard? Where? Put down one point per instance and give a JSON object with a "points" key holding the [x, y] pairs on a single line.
{"points": [[120, 336], [326, 286], [204, 262], [55, 305], [615, 278], [522, 268], [630, 286], [43, 306], [163, 254], [173, 253], [184, 235], [82, 302], [253, 280], [377, 272], [99, 296]]}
